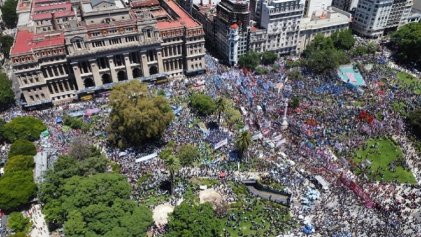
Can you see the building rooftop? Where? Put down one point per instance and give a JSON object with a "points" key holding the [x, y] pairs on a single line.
{"points": [[144, 3], [332, 16], [27, 41], [182, 19]]}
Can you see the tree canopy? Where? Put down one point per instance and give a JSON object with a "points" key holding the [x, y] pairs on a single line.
{"points": [[414, 120], [137, 115], [17, 184], [194, 221], [243, 142], [26, 127], [321, 55], [19, 163], [7, 96], [188, 154], [343, 39], [249, 60], [86, 201], [22, 147], [10, 17], [203, 104], [17, 189], [408, 42], [269, 57], [18, 223], [6, 43]]}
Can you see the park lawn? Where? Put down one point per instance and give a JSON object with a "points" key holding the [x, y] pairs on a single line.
{"points": [[409, 82], [249, 208], [258, 211], [382, 152], [204, 181]]}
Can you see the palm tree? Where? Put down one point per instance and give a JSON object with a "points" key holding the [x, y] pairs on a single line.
{"points": [[220, 107], [172, 164], [243, 143]]}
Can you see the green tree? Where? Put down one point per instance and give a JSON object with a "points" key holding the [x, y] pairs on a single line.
{"points": [[137, 115], [172, 163], [261, 71], [81, 148], [10, 17], [2, 123], [414, 120], [220, 107], [188, 154], [295, 102], [269, 57], [203, 104], [249, 60], [16, 190], [295, 74], [22, 147], [233, 117], [18, 223], [194, 221], [75, 225], [26, 127], [408, 43], [19, 163], [243, 143], [321, 61], [6, 42], [343, 39], [7, 96], [319, 43], [74, 123]]}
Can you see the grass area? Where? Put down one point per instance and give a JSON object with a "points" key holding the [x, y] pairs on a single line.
{"points": [[399, 107], [151, 198], [204, 181], [386, 160], [409, 82], [256, 217]]}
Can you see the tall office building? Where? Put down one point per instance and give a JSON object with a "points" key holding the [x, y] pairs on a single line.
{"points": [[373, 17], [67, 49]]}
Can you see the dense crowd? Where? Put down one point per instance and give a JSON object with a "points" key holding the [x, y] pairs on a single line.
{"points": [[332, 118]]}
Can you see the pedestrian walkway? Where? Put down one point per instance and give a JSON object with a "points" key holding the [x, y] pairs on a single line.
{"points": [[39, 226]]}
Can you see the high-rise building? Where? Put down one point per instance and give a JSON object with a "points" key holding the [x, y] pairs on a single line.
{"points": [[281, 21], [373, 17], [231, 29], [68, 49], [345, 5]]}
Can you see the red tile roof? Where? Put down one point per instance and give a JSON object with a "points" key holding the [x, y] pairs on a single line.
{"points": [[27, 41], [184, 19], [59, 14], [144, 3], [63, 5]]}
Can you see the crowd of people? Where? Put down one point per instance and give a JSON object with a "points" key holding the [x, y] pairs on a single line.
{"points": [[329, 123]]}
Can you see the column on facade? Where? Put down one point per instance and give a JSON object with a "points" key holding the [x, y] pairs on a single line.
{"points": [[145, 67], [95, 72], [78, 78], [112, 68], [127, 63], [160, 64]]}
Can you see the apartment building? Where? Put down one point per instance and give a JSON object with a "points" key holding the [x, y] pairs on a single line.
{"points": [[68, 49], [373, 17], [326, 22]]}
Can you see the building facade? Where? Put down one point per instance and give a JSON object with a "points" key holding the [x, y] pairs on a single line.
{"points": [[329, 21], [68, 49], [373, 18]]}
